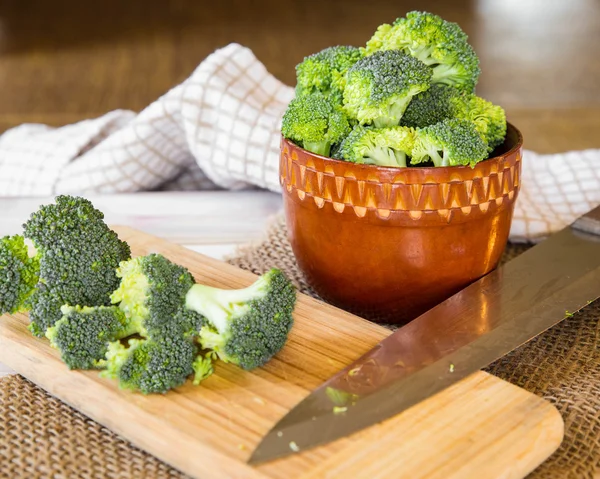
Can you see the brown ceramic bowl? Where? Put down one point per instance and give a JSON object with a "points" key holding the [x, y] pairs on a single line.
{"points": [[390, 243]]}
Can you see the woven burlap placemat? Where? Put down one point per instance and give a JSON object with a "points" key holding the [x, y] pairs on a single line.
{"points": [[41, 437]]}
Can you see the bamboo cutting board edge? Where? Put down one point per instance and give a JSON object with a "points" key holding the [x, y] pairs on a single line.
{"points": [[444, 431]]}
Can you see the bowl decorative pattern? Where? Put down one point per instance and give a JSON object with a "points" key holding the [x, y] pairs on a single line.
{"points": [[388, 243]]}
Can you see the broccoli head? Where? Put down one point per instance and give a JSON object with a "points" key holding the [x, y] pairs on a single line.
{"points": [[489, 119], [315, 122], [440, 44], [431, 106], [380, 87], [245, 326], [151, 294], [378, 146], [150, 365], [442, 102], [78, 255], [82, 334], [19, 273], [451, 142], [325, 72]]}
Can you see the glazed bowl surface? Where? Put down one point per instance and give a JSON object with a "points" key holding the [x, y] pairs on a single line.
{"points": [[390, 243]]}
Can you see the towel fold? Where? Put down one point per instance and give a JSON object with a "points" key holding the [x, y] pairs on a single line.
{"points": [[220, 128]]}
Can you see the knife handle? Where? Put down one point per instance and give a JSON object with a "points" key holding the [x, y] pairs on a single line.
{"points": [[589, 222]]}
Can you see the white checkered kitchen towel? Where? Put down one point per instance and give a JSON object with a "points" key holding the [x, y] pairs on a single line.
{"points": [[220, 129]]}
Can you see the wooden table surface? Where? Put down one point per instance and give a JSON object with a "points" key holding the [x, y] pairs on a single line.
{"points": [[65, 60]]}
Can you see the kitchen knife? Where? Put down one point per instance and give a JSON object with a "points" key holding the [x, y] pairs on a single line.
{"points": [[483, 322]]}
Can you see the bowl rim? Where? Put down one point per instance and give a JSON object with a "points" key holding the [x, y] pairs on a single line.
{"points": [[427, 170]]}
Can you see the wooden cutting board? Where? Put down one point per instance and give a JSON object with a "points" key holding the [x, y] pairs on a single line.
{"points": [[481, 427]]}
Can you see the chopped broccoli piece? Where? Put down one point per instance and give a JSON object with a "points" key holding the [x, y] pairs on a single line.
{"points": [[151, 293], [315, 123], [489, 119], [245, 326], [451, 142], [203, 368], [440, 44], [339, 397], [44, 308], [431, 106], [378, 146], [150, 365], [82, 334], [325, 72], [19, 273], [379, 87], [442, 102], [78, 256]]}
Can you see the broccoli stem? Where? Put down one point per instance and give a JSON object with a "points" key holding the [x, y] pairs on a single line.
{"points": [[446, 74], [397, 109], [400, 158], [424, 54], [319, 147], [436, 158], [383, 156], [218, 304]]}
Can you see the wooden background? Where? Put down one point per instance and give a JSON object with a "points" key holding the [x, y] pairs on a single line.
{"points": [[65, 60]]}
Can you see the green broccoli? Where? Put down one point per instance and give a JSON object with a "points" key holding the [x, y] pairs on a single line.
{"points": [[245, 326], [325, 72], [440, 44], [82, 334], [489, 119], [150, 298], [19, 273], [203, 368], [150, 365], [442, 102], [451, 142], [378, 146], [152, 295], [379, 87], [44, 309], [78, 255], [431, 106], [314, 122]]}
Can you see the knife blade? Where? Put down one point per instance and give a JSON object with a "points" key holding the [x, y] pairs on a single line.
{"points": [[478, 325]]}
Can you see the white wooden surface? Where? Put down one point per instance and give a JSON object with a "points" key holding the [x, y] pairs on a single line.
{"points": [[214, 223]]}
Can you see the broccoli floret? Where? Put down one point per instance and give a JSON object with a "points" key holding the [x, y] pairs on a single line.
{"points": [[203, 368], [82, 334], [378, 146], [442, 102], [19, 273], [314, 122], [78, 256], [245, 326], [44, 308], [380, 87], [440, 44], [431, 106], [150, 365], [489, 119], [325, 72], [451, 142], [151, 293]]}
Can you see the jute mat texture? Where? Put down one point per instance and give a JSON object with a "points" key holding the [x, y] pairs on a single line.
{"points": [[40, 437]]}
